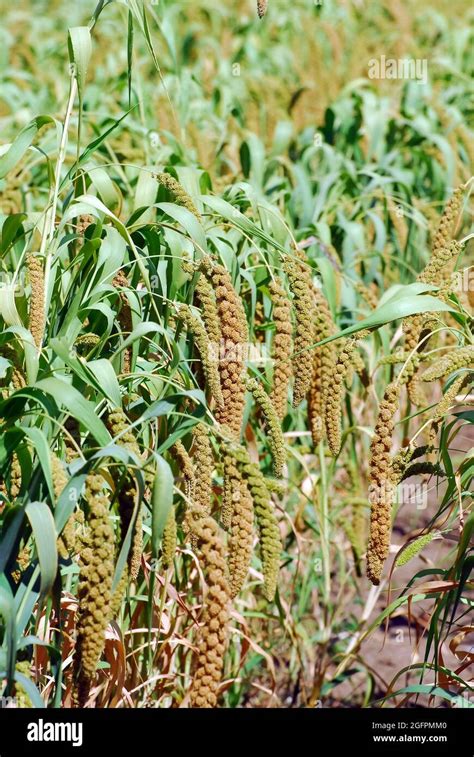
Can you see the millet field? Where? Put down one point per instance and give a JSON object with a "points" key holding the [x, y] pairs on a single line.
{"points": [[236, 354]]}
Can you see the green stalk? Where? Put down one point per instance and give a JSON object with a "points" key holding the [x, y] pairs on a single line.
{"points": [[324, 523]]}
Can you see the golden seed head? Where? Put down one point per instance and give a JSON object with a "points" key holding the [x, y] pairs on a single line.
{"points": [[95, 589], [169, 541], [232, 348], [448, 221], [368, 294], [269, 532], [438, 269], [209, 359], [178, 191], [272, 423], [67, 540], [119, 428], [213, 634], [458, 358], [445, 403], [237, 516], [381, 485], [335, 395], [207, 300], [180, 453], [282, 347], [15, 477], [301, 286], [203, 460], [37, 316], [121, 283], [324, 359]]}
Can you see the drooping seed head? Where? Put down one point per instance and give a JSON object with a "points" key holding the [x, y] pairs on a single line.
{"points": [[213, 633], [282, 347], [95, 589], [178, 192], [233, 346], [301, 287], [323, 368], [272, 425], [37, 315], [381, 486]]}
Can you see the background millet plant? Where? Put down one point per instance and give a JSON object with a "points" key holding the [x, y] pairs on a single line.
{"points": [[236, 334]]}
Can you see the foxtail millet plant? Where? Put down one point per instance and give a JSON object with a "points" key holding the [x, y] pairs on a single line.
{"points": [[276, 440], [20, 692], [443, 406], [403, 459], [181, 455], [335, 394], [302, 289], [228, 487], [237, 516], [381, 486], [269, 532], [213, 633], [15, 478], [233, 347], [253, 162], [95, 589], [448, 221], [37, 316], [324, 359], [461, 357], [384, 476], [197, 478], [203, 463], [262, 6], [18, 378], [356, 363], [414, 547], [85, 343], [178, 192], [418, 328], [357, 531], [121, 283], [437, 271], [422, 467], [206, 351], [169, 540], [206, 299], [67, 539], [241, 538], [367, 293], [118, 425], [282, 347], [241, 523]]}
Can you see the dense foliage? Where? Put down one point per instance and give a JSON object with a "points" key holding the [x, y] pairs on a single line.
{"points": [[236, 355]]}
